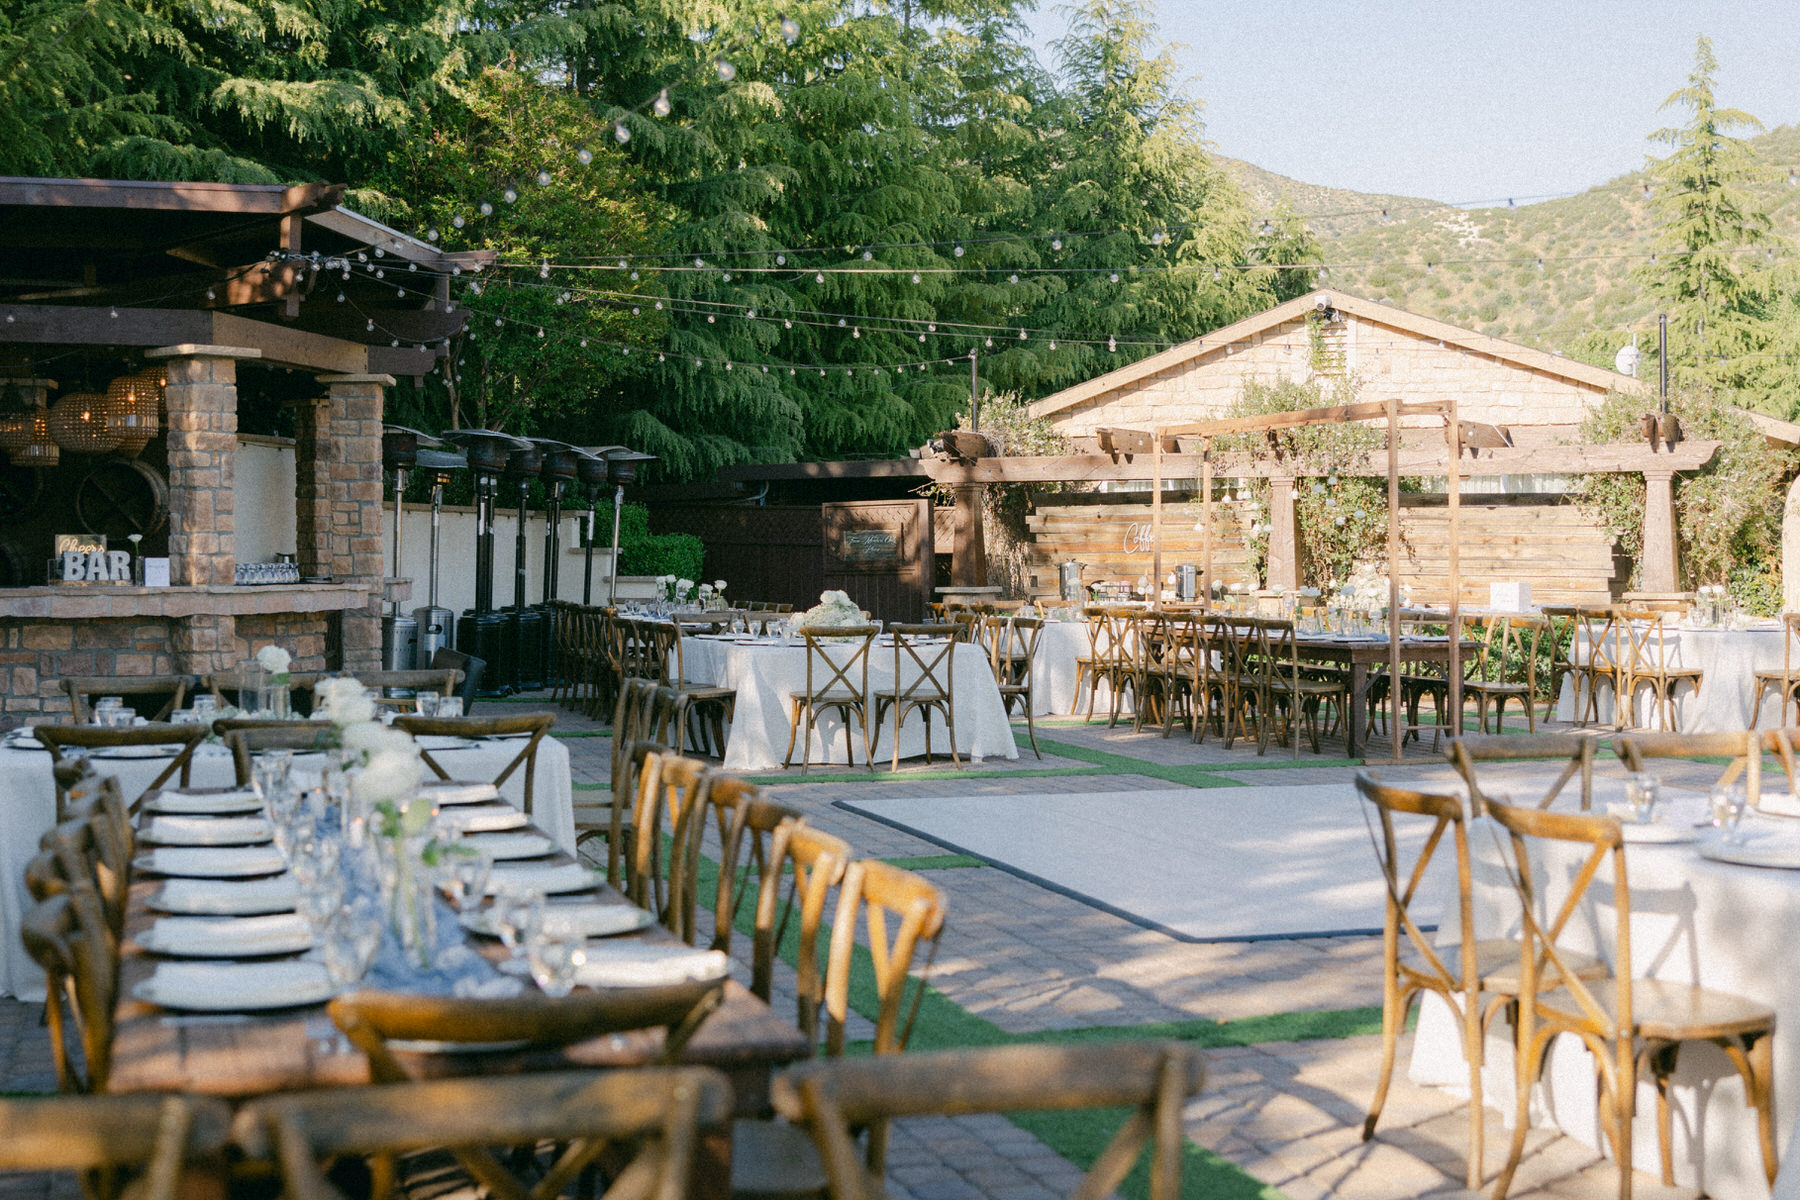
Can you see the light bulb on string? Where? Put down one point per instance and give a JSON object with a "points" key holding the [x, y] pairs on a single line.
{"points": [[486, 209], [787, 324], [790, 29], [509, 195], [1112, 344], [211, 295], [340, 298], [1114, 277], [1013, 278], [380, 274], [1156, 239], [781, 260], [699, 262], [370, 327], [621, 133], [915, 277], [661, 105], [842, 322], [431, 235], [395, 343], [412, 266], [958, 252], [932, 328], [659, 306], [399, 293], [380, 253], [1215, 274], [543, 178], [819, 277], [457, 221], [727, 277], [868, 256], [1267, 228], [990, 343], [634, 276], [727, 72], [1056, 243]]}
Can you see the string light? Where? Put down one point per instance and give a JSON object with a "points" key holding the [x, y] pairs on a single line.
{"points": [[661, 106], [727, 72]]}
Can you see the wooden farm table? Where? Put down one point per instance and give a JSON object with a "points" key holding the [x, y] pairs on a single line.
{"points": [[240, 1056], [1361, 653]]}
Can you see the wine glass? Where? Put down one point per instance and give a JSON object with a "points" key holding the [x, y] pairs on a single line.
{"points": [[556, 951], [514, 911]]}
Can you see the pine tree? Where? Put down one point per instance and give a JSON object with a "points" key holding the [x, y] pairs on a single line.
{"points": [[1716, 293]]}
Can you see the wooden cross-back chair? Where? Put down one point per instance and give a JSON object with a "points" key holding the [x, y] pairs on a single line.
{"points": [[1012, 644], [153, 1138], [1152, 1079], [1577, 748], [69, 937], [1413, 963], [1628, 1024], [746, 822], [247, 738], [1744, 750], [1111, 658], [381, 1023], [838, 684], [1162, 675], [95, 847], [1495, 680], [61, 738], [1560, 624], [640, 716], [927, 654], [445, 682], [228, 687], [1228, 703], [710, 708], [1273, 672], [1786, 681], [1652, 659], [646, 1122], [529, 728], [671, 793], [165, 693], [1598, 651]]}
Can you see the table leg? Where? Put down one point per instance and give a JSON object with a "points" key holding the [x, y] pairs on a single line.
{"points": [[1359, 710]]}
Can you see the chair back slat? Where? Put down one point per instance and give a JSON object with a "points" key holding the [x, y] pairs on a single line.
{"points": [[1577, 748], [530, 728], [60, 738]]}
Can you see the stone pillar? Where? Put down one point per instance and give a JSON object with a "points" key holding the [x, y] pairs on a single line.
{"points": [[347, 453], [312, 486], [1659, 567], [1283, 568], [202, 424]]}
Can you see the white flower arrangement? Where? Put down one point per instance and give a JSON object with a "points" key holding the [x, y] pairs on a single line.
{"points": [[343, 701], [718, 585], [392, 775], [834, 610], [274, 660]]}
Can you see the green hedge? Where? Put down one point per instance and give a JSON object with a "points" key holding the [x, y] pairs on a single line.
{"points": [[644, 553]]}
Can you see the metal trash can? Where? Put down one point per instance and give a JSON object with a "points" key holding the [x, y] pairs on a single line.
{"points": [[1187, 583], [399, 643], [436, 630]]}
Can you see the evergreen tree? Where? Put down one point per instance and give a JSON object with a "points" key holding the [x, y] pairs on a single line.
{"points": [[1716, 294]]}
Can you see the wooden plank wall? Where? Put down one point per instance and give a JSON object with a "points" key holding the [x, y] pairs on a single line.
{"points": [[1563, 554]]}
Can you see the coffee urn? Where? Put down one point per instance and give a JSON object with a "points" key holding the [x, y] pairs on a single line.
{"points": [[1068, 582]]}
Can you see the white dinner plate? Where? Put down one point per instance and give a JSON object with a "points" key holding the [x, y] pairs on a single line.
{"points": [[445, 792], [225, 898], [649, 964], [486, 818], [235, 987], [135, 752], [594, 920], [504, 847], [566, 877], [207, 831], [28, 742], [227, 937], [1782, 852], [212, 862], [199, 803]]}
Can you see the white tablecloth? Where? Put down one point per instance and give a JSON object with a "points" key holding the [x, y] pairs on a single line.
{"points": [[30, 799], [1729, 658], [1727, 927], [766, 676]]}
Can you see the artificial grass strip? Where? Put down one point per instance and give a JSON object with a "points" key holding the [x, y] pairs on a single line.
{"points": [[935, 862], [1121, 764], [1081, 1135]]}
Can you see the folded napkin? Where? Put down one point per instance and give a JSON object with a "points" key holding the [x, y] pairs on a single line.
{"points": [[568, 877], [213, 862], [649, 964], [486, 818], [453, 792], [202, 803], [221, 897], [228, 937], [225, 987], [208, 831]]}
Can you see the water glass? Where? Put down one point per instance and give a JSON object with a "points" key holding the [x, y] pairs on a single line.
{"points": [[352, 938], [556, 951], [426, 703], [449, 708], [1728, 804], [1643, 790], [515, 911], [465, 874], [319, 903], [269, 772]]}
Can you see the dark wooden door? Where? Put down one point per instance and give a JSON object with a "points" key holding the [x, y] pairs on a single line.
{"points": [[880, 552]]}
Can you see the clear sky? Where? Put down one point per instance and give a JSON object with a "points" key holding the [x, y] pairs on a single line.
{"points": [[1459, 101]]}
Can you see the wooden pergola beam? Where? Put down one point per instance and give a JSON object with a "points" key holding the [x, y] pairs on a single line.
{"points": [[1615, 457], [1337, 413]]}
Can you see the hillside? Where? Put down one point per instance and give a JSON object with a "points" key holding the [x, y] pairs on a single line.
{"points": [[1332, 212], [1589, 244]]}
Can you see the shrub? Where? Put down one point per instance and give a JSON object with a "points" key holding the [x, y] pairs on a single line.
{"points": [[644, 553]]}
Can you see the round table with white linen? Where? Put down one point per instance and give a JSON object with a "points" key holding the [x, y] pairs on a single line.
{"points": [[766, 673], [1694, 920], [1728, 660], [30, 798]]}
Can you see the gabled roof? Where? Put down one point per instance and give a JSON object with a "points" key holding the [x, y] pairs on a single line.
{"points": [[1368, 310]]}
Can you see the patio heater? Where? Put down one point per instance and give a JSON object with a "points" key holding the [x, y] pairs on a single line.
{"points": [[621, 469], [437, 626], [481, 630], [592, 469], [399, 633], [561, 465], [524, 668]]}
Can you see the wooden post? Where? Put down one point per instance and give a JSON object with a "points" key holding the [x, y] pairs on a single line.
{"points": [[1453, 437], [968, 562], [1206, 518], [1659, 567], [1284, 542], [1396, 721], [1156, 452]]}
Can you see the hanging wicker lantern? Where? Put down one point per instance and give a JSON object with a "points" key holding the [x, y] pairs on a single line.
{"points": [[25, 436], [131, 412], [78, 424]]}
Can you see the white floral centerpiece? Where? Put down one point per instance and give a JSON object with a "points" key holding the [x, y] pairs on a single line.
{"points": [[387, 786], [835, 610], [343, 701], [272, 690]]}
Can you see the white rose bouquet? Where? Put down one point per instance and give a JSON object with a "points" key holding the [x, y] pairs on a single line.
{"points": [[834, 610], [275, 661], [343, 701]]}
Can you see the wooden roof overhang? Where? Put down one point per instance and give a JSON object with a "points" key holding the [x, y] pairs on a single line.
{"points": [[74, 251]]}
